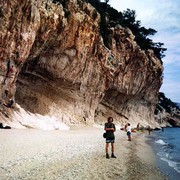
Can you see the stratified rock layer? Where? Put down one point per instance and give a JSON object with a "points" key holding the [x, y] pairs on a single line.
{"points": [[54, 62]]}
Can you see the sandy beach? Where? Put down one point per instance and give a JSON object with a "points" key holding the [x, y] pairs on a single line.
{"points": [[76, 154]]}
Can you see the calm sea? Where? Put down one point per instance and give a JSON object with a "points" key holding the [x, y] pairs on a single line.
{"points": [[166, 145]]}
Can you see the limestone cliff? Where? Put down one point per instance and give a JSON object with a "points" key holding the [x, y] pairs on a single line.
{"points": [[167, 113], [54, 62]]}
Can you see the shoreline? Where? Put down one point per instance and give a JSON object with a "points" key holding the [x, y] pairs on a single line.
{"points": [[165, 145], [142, 162], [76, 154]]}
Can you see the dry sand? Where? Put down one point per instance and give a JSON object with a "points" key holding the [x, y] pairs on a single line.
{"points": [[77, 154]]}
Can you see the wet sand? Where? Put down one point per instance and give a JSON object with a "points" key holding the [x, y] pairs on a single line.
{"points": [[77, 154]]}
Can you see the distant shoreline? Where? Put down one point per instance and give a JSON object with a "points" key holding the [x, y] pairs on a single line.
{"points": [[142, 160]]}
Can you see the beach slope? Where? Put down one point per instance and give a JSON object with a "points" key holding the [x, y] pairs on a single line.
{"points": [[76, 154]]}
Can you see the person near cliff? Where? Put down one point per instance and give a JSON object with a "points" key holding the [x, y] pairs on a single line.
{"points": [[149, 129], [11, 71], [138, 126], [10, 103], [110, 128], [162, 129], [128, 130]]}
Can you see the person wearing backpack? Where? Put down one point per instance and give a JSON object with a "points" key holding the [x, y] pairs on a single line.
{"points": [[110, 128]]}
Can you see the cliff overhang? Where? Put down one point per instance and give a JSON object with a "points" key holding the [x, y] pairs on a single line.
{"points": [[54, 62]]}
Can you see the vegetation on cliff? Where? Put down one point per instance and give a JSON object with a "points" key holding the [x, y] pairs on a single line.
{"points": [[166, 104], [167, 111], [110, 17]]}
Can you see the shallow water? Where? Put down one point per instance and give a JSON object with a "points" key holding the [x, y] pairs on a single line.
{"points": [[166, 145]]}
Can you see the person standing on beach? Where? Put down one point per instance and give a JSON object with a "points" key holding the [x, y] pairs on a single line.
{"points": [[138, 126], [110, 128], [149, 129], [128, 129]]}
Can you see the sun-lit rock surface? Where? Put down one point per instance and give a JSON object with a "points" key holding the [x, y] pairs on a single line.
{"points": [[54, 63]]}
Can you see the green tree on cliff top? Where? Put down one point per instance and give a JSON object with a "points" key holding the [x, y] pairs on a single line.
{"points": [[111, 17]]}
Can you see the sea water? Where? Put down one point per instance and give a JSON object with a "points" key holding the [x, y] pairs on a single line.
{"points": [[166, 145]]}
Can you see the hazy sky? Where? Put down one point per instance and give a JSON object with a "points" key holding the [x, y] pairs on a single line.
{"points": [[164, 17]]}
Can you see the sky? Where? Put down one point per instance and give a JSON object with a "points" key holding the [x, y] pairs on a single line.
{"points": [[164, 17]]}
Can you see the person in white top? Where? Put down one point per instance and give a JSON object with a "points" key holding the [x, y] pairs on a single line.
{"points": [[128, 129]]}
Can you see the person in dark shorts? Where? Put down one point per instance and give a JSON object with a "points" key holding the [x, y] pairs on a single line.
{"points": [[128, 129], [110, 128]]}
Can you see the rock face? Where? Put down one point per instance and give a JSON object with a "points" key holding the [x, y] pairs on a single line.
{"points": [[54, 62]]}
